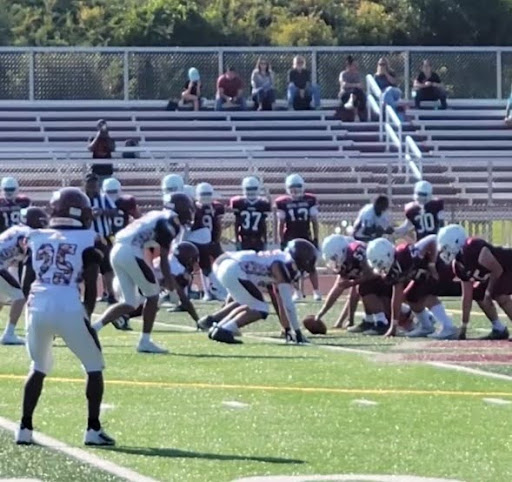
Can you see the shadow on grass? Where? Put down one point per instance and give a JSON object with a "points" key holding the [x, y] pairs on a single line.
{"points": [[248, 357], [186, 454]]}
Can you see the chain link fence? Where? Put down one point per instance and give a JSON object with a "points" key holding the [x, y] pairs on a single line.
{"points": [[150, 73]]}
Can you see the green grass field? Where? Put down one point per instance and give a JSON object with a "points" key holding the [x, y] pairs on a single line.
{"points": [[212, 412]]}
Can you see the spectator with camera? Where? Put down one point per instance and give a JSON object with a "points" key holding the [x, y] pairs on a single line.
{"points": [[301, 91], [386, 80], [351, 94], [230, 91], [192, 89], [262, 83], [102, 145], [428, 86]]}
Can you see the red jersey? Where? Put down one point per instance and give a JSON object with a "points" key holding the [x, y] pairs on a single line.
{"points": [[467, 259], [355, 262], [206, 216], [427, 219], [297, 215], [251, 217], [127, 209], [10, 211], [407, 265]]}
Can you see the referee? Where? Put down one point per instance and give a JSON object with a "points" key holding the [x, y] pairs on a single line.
{"points": [[103, 211]]}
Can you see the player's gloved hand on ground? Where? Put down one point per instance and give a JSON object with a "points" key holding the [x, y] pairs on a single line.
{"points": [[463, 332], [300, 338]]}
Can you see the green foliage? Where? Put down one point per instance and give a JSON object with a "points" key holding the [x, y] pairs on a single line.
{"points": [[255, 22]]}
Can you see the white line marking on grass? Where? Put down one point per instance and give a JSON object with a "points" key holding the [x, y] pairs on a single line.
{"points": [[365, 403], [20, 480], [343, 477], [235, 404], [81, 455], [106, 406], [472, 371], [497, 401]]}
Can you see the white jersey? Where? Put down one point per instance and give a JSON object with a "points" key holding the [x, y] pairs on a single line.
{"points": [[367, 218], [143, 232], [57, 261], [257, 266], [13, 245]]}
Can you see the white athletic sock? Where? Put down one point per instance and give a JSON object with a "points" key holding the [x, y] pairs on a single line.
{"points": [[145, 337], [380, 318], [97, 326], [205, 281], [316, 293], [498, 325], [368, 318], [9, 329], [230, 326], [440, 315], [424, 318], [405, 309]]}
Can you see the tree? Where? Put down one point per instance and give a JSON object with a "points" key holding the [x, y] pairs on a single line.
{"points": [[302, 31]]}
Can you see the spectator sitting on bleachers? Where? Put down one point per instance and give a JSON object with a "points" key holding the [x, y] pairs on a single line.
{"points": [[101, 145], [230, 93], [508, 116], [386, 80], [300, 88], [428, 86], [192, 89], [351, 93], [262, 82]]}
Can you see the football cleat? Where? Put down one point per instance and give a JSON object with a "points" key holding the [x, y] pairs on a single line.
{"points": [[361, 327], [221, 335], [377, 329], [98, 438], [23, 436], [449, 333], [296, 297], [420, 331], [497, 335], [300, 339], [205, 323], [317, 297], [148, 346], [11, 339], [123, 323], [208, 296]]}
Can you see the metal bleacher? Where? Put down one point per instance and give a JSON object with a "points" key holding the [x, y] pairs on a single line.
{"points": [[44, 145]]}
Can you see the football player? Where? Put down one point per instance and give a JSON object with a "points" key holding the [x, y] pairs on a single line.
{"points": [[347, 258], [297, 213], [425, 215], [208, 215], [243, 273], [11, 203], [156, 229], [400, 266], [13, 247], [373, 220], [126, 205], [251, 211], [479, 263], [62, 257]]}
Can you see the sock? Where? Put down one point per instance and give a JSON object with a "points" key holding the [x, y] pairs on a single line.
{"points": [[368, 318], [498, 325], [405, 309], [26, 422], [145, 337], [316, 293], [32, 392], [424, 318], [94, 393], [440, 315], [297, 294], [380, 318], [230, 326], [97, 326], [9, 329]]}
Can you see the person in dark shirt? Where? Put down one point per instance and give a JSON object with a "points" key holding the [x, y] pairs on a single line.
{"points": [[386, 80], [428, 86], [102, 145], [300, 85], [192, 89], [230, 90]]}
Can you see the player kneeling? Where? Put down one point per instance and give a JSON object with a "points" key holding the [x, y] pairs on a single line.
{"points": [[61, 257], [244, 273]]}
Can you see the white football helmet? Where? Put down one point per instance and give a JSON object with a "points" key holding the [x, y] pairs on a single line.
{"points": [[334, 251], [112, 188], [294, 186], [450, 241], [172, 183], [251, 187], [204, 193], [9, 187], [423, 192], [380, 254]]}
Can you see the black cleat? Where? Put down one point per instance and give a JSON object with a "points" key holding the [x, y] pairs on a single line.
{"points": [[300, 339], [205, 323], [176, 309], [123, 323], [111, 300], [361, 327], [221, 335], [377, 329], [496, 335]]}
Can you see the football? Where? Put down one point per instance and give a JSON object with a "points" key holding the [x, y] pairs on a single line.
{"points": [[315, 327]]}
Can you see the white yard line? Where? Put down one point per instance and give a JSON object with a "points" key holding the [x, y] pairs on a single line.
{"points": [[80, 455], [497, 401]]}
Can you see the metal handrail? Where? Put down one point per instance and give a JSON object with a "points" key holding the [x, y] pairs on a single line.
{"points": [[375, 102]]}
